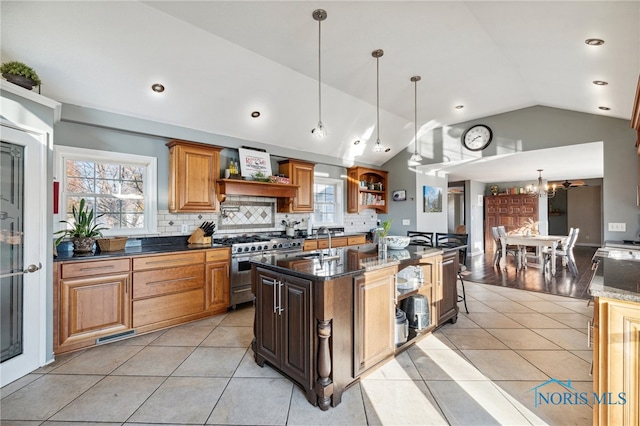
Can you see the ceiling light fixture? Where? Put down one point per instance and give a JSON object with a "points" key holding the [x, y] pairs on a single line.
{"points": [[459, 106], [255, 114], [600, 83], [416, 157], [319, 131], [356, 142], [594, 41], [377, 54], [158, 88], [604, 108], [541, 191]]}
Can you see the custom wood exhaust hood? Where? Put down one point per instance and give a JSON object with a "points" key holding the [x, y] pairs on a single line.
{"points": [[253, 188]]}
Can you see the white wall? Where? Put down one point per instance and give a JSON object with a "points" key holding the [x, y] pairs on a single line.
{"points": [[430, 222]]}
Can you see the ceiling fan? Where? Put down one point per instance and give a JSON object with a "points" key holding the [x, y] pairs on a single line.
{"points": [[567, 184]]}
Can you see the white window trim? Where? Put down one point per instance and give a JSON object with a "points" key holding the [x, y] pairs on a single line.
{"points": [[62, 153], [339, 183]]}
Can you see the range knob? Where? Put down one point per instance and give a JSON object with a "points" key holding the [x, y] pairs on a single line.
{"points": [[280, 245], [275, 246], [239, 249], [253, 248], [246, 249]]}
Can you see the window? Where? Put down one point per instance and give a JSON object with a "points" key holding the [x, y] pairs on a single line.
{"points": [[328, 202], [120, 187]]}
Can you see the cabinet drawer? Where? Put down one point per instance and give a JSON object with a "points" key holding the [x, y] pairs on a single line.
{"points": [[162, 308], [168, 280], [310, 245], [356, 240], [167, 261], [217, 255], [97, 267]]}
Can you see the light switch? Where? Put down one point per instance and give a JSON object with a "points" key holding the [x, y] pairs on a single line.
{"points": [[617, 227], [406, 221]]}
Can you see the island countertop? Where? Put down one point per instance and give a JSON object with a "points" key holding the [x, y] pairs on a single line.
{"points": [[616, 274], [344, 261]]}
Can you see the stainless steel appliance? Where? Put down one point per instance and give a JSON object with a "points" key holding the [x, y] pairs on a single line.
{"points": [[417, 310], [402, 327], [246, 247]]}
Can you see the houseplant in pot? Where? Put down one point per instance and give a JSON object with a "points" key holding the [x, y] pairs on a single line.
{"points": [[20, 74], [82, 230]]}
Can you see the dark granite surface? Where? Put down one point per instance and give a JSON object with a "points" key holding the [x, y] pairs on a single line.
{"points": [[347, 261], [618, 274], [134, 246]]}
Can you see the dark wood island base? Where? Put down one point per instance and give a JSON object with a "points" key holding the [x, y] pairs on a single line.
{"points": [[324, 325]]}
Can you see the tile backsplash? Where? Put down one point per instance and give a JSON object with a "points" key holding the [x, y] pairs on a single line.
{"points": [[242, 215]]}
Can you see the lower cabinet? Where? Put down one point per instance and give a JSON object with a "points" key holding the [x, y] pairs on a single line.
{"points": [[374, 318], [616, 362], [91, 302], [283, 327], [217, 289], [446, 291]]}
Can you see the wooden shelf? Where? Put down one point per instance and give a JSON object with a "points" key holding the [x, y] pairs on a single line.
{"points": [[257, 189]]}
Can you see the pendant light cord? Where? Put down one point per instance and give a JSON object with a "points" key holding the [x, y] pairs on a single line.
{"points": [[415, 116], [319, 72], [378, 96]]}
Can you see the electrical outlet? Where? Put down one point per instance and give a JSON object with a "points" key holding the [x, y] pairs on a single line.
{"points": [[617, 227], [406, 221], [185, 228]]}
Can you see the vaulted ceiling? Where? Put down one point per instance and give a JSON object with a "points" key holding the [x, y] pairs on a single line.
{"points": [[222, 60]]}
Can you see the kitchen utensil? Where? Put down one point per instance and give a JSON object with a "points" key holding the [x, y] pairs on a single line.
{"points": [[402, 327]]}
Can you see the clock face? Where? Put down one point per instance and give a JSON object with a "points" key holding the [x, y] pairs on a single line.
{"points": [[477, 138]]}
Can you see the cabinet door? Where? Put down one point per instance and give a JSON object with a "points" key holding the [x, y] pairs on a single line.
{"points": [[374, 318], [447, 292], [93, 307], [217, 289], [295, 294], [618, 363], [301, 174], [265, 285], [193, 170]]}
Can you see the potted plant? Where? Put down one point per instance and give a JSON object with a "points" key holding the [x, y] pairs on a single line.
{"points": [[82, 230], [20, 74], [382, 235]]}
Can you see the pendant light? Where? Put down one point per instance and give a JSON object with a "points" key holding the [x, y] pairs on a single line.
{"points": [[377, 54], [319, 131], [416, 157]]}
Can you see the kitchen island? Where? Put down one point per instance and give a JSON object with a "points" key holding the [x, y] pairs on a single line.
{"points": [[325, 323], [616, 335]]}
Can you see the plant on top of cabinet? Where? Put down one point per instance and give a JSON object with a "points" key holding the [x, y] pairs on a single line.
{"points": [[83, 229], [20, 74]]}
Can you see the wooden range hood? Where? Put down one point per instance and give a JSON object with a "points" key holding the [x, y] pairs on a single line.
{"points": [[253, 188]]}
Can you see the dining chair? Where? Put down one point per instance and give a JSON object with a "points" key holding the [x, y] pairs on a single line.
{"points": [[448, 240], [513, 249], [420, 238], [565, 253], [497, 255]]}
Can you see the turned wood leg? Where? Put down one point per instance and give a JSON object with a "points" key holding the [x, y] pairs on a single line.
{"points": [[324, 384]]}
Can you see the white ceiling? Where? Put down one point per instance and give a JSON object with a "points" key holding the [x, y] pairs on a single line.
{"points": [[221, 60]]}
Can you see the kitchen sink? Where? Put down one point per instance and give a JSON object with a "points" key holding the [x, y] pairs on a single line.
{"points": [[316, 255]]}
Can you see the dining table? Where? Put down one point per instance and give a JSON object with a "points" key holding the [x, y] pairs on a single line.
{"points": [[522, 241]]}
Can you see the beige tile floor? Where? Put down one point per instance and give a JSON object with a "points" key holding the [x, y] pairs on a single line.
{"points": [[479, 371]]}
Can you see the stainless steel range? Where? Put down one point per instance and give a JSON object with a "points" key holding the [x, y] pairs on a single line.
{"points": [[246, 247]]}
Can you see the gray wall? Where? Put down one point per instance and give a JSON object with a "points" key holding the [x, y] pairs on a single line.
{"points": [[541, 127]]}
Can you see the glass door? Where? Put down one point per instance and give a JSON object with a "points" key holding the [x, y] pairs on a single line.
{"points": [[22, 279]]}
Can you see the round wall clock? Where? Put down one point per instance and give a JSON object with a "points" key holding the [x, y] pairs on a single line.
{"points": [[477, 137]]}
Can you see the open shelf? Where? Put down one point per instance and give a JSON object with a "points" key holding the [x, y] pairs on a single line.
{"points": [[255, 188]]}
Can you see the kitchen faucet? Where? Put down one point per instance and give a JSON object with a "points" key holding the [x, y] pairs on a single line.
{"points": [[329, 235]]}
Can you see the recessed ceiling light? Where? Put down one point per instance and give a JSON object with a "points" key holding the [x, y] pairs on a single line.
{"points": [[600, 83], [255, 114], [356, 142], [158, 88], [604, 108], [594, 42], [459, 106], [387, 150]]}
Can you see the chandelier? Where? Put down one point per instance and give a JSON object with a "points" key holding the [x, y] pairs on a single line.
{"points": [[540, 190]]}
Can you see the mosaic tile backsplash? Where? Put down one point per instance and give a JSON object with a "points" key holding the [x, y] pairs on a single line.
{"points": [[247, 215]]}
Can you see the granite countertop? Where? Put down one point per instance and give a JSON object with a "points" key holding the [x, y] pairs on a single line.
{"points": [[617, 275], [136, 246], [347, 261]]}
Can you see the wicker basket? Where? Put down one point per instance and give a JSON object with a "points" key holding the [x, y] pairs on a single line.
{"points": [[112, 244]]}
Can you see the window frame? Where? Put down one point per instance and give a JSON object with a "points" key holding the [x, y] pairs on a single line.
{"points": [[63, 153], [339, 203]]}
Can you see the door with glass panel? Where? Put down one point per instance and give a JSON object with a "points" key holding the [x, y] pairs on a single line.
{"points": [[22, 275]]}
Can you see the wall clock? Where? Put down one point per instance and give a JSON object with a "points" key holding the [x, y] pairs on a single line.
{"points": [[477, 137]]}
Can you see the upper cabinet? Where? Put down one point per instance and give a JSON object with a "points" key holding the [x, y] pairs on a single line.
{"points": [[301, 174], [193, 170], [635, 115], [366, 189]]}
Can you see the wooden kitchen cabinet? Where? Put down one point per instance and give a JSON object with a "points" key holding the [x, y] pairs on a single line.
{"points": [[193, 170], [283, 328], [300, 173], [168, 289], [361, 197], [217, 290], [91, 301], [616, 362], [374, 318], [446, 292]]}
